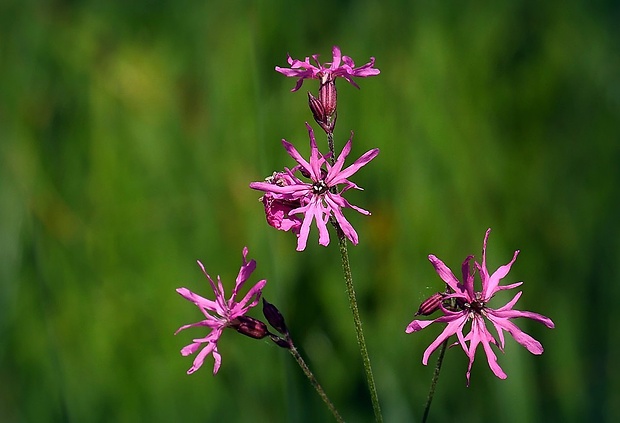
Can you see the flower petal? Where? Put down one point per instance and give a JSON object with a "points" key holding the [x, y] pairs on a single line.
{"points": [[250, 300], [304, 231], [199, 300], [292, 151], [200, 358], [335, 178], [244, 273], [521, 337], [445, 273], [455, 324], [480, 334]]}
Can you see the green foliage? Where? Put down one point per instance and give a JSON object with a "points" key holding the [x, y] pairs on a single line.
{"points": [[129, 132]]}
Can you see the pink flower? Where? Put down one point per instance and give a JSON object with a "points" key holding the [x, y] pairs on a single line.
{"points": [[341, 66], [318, 199], [221, 313], [461, 304], [277, 209]]}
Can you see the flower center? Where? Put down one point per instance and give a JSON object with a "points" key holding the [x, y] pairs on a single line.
{"points": [[319, 187], [477, 306]]}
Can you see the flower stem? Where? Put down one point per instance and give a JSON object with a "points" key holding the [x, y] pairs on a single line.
{"points": [[361, 342], [431, 392], [330, 144], [346, 268], [313, 381]]}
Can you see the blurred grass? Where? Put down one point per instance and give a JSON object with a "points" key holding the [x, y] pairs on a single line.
{"points": [[130, 131]]}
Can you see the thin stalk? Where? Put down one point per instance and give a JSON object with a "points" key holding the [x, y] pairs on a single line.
{"points": [[359, 332], [361, 341], [431, 392], [330, 144], [314, 382]]}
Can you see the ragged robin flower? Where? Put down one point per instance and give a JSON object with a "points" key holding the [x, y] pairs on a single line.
{"points": [[461, 304], [340, 67], [223, 313], [324, 107], [321, 197]]}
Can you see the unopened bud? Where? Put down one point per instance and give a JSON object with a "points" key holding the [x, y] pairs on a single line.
{"points": [[317, 109], [325, 121], [274, 317], [250, 326], [328, 95], [430, 305]]}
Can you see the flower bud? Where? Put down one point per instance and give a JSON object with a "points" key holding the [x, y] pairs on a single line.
{"points": [[274, 317], [250, 326], [328, 95], [430, 305], [317, 109]]}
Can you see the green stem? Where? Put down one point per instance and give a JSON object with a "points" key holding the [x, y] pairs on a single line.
{"points": [[313, 381], [361, 342], [431, 392], [330, 144]]}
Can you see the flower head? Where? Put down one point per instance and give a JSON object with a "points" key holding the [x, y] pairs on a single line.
{"points": [[222, 313], [319, 199], [340, 66], [462, 304]]}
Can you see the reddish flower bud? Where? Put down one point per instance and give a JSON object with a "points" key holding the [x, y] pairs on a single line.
{"points": [[328, 94], [250, 326], [325, 121], [318, 111], [274, 317], [430, 305]]}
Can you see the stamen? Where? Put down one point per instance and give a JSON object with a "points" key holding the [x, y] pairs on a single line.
{"points": [[319, 187]]}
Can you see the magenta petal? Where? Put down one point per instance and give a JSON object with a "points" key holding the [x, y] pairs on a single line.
{"points": [[417, 325], [357, 165], [292, 151], [491, 286], [316, 159], [337, 166], [444, 273], [304, 232], [210, 322], [190, 349], [492, 361], [346, 227], [244, 273], [200, 358], [250, 300], [480, 334], [468, 278], [451, 328], [276, 189], [321, 219], [336, 55], [217, 360], [197, 299], [521, 337]]}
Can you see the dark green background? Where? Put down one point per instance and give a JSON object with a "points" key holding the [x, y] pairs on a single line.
{"points": [[129, 132]]}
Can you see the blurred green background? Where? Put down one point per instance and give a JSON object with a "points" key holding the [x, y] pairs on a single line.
{"points": [[129, 132]]}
